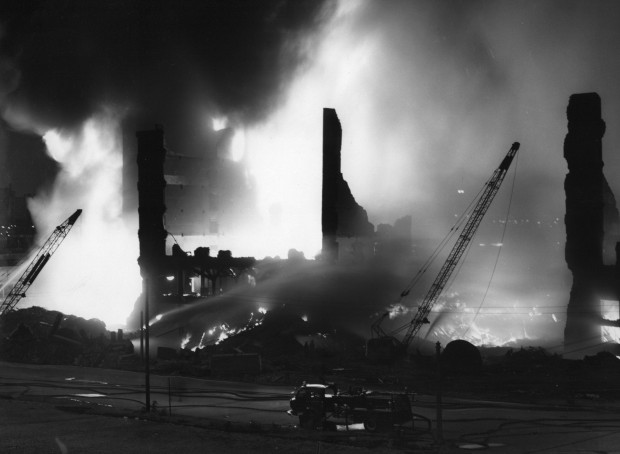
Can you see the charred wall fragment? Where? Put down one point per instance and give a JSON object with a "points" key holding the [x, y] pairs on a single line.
{"points": [[343, 220], [151, 206], [181, 276], [589, 211], [332, 142]]}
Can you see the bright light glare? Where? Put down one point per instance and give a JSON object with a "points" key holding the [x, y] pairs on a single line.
{"points": [[186, 340], [219, 123], [238, 146], [94, 272], [610, 311]]}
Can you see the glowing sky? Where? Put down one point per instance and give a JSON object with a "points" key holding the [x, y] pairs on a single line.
{"points": [[431, 94]]}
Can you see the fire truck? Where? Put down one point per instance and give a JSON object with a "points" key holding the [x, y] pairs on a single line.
{"points": [[320, 405]]}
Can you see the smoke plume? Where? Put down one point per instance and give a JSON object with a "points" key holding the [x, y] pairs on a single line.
{"points": [[430, 94]]}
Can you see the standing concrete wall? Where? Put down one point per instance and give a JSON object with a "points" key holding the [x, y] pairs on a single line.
{"points": [[584, 188], [151, 206]]}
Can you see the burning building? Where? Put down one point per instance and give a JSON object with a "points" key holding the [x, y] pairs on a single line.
{"points": [[591, 226], [175, 276], [207, 194]]}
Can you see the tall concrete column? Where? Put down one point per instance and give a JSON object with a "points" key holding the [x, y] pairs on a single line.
{"points": [[151, 205], [332, 143], [584, 188]]}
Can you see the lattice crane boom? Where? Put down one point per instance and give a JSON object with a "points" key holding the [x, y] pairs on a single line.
{"points": [[459, 248], [38, 262]]}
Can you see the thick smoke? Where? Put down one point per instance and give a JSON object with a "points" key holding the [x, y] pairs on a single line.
{"points": [[430, 93], [162, 57], [444, 88], [74, 73]]}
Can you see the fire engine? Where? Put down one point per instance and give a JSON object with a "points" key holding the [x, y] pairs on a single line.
{"points": [[320, 405]]}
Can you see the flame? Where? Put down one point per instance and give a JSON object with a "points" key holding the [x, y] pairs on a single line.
{"points": [[94, 273], [219, 332], [185, 340], [610, 311], [453, 318], [222, 330], [284, 153], [219, 123], [225, 332]]}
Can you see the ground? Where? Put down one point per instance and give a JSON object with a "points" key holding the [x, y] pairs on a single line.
{"points": [[31, 426]]}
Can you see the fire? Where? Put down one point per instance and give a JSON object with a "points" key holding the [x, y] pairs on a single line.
{"points": [[94, 274], [186, 340], [454, 318], [609, 311], [284, 152]]}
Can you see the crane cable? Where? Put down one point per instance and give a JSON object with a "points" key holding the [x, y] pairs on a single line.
{"points": [[442, 244], [462, 219], [514, 178]]}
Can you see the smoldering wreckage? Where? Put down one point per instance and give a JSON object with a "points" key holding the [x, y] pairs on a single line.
{"points": [[285, 345]]}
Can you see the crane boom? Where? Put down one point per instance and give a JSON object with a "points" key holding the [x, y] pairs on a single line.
{"points": [[38, 262], [459, 248]]}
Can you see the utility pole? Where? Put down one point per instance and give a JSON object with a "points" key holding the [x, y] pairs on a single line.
{"points": [[439, 397], [142, 335], [147, 371]]}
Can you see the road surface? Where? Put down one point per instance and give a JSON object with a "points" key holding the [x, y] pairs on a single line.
{"points": [[468, 424], [234, 401]]}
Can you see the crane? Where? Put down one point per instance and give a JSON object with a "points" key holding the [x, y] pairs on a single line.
{"points": [[383, 340], [38, 262]]}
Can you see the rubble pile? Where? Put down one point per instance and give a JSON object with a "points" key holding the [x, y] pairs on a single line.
{"points": [[36, 335]]}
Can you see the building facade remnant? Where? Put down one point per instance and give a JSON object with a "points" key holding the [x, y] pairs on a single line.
{"points": [[180, 276], [588, 200], [151, 206], [345, 226]]}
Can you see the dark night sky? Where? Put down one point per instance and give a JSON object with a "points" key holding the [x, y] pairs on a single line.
{"points": [[430, 93], [61, 61]]}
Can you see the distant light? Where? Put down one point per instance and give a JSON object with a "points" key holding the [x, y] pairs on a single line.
{"points": [[170, 278], [219, 123], [460, 191], [158, 317], [262, 310], [304, 318], [482, 244]]}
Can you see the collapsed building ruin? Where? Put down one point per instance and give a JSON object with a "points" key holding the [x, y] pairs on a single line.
{"points": [[175, 276], [172, 278], [591, 227]]}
